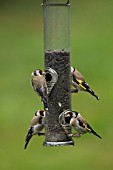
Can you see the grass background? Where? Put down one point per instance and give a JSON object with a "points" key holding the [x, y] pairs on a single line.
{"points": [[21, 51]]}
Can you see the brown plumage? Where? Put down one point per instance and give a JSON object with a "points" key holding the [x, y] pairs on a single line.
{"points": [[79, 83], [37, 124], [80, 124], [78, 75], [39, 85], [36, 119]]}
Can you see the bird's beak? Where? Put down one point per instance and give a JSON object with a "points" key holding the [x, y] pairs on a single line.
{"points": [[32, 74], [43, 73]]}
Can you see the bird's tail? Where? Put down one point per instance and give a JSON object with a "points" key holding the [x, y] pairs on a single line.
{"points": [[93, 94], [45, 104], [87, 88], [28, 137], [95, 134], [88, 127]]}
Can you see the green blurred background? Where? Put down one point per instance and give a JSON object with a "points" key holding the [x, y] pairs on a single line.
{"points": [[21, 52]]}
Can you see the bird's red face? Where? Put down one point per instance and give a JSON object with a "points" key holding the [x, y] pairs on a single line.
{"points": [[40, 71], [42, 113], [37, 72]]}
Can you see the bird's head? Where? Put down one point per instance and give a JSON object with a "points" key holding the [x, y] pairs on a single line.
{"points": [[37, 72], [72, 114], [42, 113]]}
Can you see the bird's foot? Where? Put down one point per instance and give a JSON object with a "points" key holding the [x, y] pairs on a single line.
{"points": [[77, 135], [69, 135]]}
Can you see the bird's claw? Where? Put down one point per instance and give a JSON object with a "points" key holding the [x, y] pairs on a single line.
{"points": [[77, 135]]}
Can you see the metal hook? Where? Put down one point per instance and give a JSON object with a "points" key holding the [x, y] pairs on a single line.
{"points": [[62, 117], [62, 122], [51, 78]]}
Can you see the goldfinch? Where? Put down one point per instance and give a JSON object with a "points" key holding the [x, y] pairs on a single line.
{"points": [[39, 85], [79, 83], [78, 123], [37, 124]]}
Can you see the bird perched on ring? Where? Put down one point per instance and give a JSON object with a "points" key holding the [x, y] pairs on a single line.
{"points": [[78, 123], [39, 85], [37, 124], [79, 83]]}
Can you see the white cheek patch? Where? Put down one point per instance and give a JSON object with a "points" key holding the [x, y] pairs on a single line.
{"points": [[74, 114], [37, 72]]}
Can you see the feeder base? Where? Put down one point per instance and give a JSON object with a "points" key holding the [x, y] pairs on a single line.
{"points": [[58, 143]]}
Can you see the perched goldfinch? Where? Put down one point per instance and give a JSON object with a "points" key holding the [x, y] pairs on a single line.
{"points": [[37, 124], [79, 83], [79, 124], [39, 85]]}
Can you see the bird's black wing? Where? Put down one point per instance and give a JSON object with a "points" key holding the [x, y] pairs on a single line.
{"points": [[28, 137], [91, 130]]}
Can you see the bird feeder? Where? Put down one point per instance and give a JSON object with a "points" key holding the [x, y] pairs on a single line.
{"points": [[57, 67]]}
